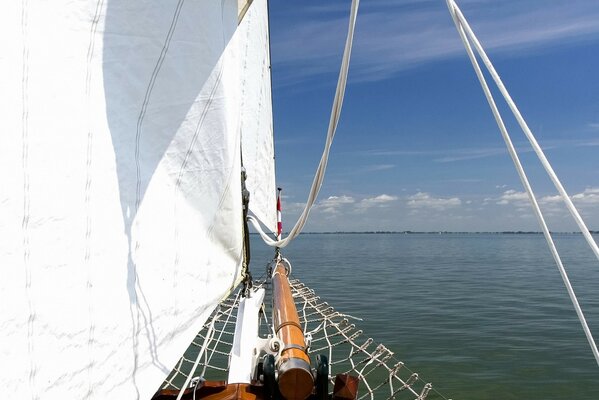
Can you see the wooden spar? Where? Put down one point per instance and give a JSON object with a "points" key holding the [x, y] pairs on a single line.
{"points": [[242, 7], [295, 378]]}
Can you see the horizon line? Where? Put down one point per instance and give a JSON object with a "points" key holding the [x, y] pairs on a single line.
{"points": [[409, 232]]}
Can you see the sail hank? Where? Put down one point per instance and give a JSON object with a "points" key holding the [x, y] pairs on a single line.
{"points": [[121, 220]]}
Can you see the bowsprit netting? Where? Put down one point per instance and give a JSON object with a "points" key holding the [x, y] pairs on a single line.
{"points": [[328, 332]]}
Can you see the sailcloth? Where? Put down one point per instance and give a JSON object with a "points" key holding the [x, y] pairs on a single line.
{"points": [[256, 114], [120, 188]]}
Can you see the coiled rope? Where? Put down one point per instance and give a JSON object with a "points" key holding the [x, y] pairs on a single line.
{"points": [[469, 38], [333, 122]]}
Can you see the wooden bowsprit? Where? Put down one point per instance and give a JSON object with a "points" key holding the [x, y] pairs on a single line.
{"points": [[356, 367]]}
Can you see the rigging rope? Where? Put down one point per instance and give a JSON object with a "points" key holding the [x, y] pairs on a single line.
{"points": [[529, 135], [468, 38], [333, 122]]}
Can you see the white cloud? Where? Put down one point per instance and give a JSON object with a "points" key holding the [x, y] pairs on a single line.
{"points": [[589, 196], [427, 211], [551, 199], [333, 201], [379, 167], [552, 205], [382, 200], [512, 196], [292, 207], [338, 205], [332, 204], [586, 197], [594, 125], [425, 200], [471, 154]]}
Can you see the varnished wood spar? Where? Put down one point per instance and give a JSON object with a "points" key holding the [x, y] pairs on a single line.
{"points": [[295, 377], [242, 7]]}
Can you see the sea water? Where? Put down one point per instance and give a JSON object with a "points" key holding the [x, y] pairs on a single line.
{"points": [[481, 316]]}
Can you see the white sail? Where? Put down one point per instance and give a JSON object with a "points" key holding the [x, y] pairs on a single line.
{"points": [[256, 114], [120, 203]]}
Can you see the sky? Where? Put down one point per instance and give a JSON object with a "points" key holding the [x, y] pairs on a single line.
{"points": [[417, 147]]}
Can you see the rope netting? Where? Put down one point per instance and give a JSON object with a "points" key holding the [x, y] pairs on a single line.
{"points": [[328, 332]]}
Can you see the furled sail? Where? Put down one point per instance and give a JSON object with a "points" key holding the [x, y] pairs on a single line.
{"points": [[120, 189]]}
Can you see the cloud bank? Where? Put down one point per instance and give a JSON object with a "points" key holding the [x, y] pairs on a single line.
{"points": [[423, 211]]}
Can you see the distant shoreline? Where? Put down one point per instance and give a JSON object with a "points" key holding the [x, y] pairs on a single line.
{"points": [[437, 233]]}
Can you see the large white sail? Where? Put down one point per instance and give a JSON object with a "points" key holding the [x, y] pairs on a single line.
{"points": [[256, 114], [120, 197]]}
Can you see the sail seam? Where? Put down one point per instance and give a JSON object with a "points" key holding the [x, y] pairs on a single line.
{"points": [[135, 302], [189, 152], [87, 196], [148, 94], [26, 199], [184, 166], [229, 177], [186, 160]]}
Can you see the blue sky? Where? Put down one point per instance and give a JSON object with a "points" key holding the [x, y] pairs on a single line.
{"points": [[417, 147]]}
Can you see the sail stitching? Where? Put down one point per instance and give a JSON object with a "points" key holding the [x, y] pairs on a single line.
{"points": [[229, 179], [26, 199], [189, 151], [135, 306], [87, 195], [148, 94], [182, 169]]}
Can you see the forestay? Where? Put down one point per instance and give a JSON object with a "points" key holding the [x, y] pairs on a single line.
{"points": [[120, 203]]}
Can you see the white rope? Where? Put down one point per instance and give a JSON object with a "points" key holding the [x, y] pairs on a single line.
{"points": [[535, 145], [333, 122], [467, 36]]}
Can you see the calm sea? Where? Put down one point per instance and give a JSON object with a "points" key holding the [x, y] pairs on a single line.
{"points": [[481, 316]]}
